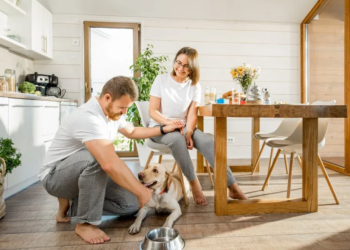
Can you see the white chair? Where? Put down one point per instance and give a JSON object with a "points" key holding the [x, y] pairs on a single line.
{"points": [[286, 128], [294, 145]]}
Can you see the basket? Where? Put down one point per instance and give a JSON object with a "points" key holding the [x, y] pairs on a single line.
{"points": [[2, 187]]}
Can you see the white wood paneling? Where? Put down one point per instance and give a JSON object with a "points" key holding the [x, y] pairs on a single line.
{"points": [[67, 30], [220, 36], [234, 49], [199, 24], [221, 45]]}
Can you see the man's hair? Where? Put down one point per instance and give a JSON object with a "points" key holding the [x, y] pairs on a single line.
{"points": [[119, 86]]}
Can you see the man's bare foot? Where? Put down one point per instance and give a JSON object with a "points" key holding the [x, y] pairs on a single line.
{"points": [[63, 206], [197, 193], [91, 234], [235, 192]]}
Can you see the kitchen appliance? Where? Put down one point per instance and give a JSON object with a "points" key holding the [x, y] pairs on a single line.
{"points": [[44, 82], [55, 91]]}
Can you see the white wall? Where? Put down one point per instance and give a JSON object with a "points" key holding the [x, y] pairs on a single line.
{"points": [[11, 60], [221, 45]]}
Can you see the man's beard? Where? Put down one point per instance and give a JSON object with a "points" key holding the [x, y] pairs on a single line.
{"points": [[111, 115]]}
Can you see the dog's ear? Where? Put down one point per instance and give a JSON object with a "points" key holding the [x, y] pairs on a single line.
{"points": [[169, 179]]}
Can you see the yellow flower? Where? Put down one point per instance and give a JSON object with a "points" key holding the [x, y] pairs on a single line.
{"points": [[233, 73]]}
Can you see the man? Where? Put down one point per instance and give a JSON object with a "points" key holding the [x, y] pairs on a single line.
{"points": [[81, 165]]}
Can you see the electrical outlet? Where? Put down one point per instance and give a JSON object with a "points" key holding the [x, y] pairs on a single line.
{"points": [[75, 42], [230, 140]]}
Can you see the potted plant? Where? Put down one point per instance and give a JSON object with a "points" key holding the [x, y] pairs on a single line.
{"points": [[9, 159], [145, 69]]}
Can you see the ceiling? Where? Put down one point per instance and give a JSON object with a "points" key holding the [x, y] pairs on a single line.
{"points": [[289, 11]]}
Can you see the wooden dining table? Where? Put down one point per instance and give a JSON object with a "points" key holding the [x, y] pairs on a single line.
{"points": [[309, 113]]}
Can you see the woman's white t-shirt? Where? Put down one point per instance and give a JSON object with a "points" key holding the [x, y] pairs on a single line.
{"points": [[176, 97]]}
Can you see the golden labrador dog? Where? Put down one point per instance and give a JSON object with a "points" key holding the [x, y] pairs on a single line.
{"points": [[166, 195]]}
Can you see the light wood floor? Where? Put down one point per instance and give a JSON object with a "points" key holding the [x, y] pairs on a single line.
{"points": [[30, 224]]}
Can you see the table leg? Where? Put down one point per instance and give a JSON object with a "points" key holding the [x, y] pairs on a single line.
{"points": [[220, 195], [255, 143], [310, 151], [200, 161]]}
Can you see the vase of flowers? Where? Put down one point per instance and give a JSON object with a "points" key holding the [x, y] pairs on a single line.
{"points": [[245, 75]]}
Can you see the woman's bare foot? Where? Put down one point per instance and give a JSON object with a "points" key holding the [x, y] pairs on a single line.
{"points": [[91, 234], [63, 206], [197, 193], [235, 192]]}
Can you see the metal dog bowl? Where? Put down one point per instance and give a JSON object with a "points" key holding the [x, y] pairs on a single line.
{"points": [[163, 238]]}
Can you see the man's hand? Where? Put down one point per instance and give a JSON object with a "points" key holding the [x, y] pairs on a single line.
{"points": [[173, 126], [144, 196], [175, 122], [189, 141]]}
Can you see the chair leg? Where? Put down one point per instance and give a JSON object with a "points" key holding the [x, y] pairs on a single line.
{"points": [[160, 159], [285, 163], [182, 184], [327, 178], [300, 162], [174, 167], [209, 173], [270, 161], [270, 171], [258, 160], [290, 174], [149, 158]]}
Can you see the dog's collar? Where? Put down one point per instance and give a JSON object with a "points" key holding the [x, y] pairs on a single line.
{"points": [[165, 190]]}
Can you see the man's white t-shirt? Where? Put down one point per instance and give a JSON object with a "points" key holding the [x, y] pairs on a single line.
{"points": [[176, 97], [86, 123]]}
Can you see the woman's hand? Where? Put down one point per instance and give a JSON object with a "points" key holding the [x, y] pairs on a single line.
{"points": [[189, 141]]}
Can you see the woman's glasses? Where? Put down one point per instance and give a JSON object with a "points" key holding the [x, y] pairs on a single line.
{"points": [[179, 64]]}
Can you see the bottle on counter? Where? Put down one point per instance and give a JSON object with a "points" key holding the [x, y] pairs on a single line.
{"points": [[10, 75], [206, 95], [212, 95], [4, 85]]}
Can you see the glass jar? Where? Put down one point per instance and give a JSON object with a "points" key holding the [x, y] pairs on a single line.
{"points": [[10, 75], [212, 95], [206, 95], [236, 99], [4, 85]]}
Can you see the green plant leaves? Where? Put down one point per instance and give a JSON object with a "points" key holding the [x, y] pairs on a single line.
{"points": [[146, 67], [10, 154]]}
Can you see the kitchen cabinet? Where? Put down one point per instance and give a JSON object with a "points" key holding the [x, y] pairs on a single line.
{"points": [[25, 132], [50, 121], [66, 108], [4, 126], [32, 126], [35, 30], [41, 29]]}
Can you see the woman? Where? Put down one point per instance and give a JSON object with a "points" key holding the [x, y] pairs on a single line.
{"points": [[174, 98]]}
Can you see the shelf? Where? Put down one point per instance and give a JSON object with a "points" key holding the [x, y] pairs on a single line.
{"points": [[10, 43], [10, 9]]}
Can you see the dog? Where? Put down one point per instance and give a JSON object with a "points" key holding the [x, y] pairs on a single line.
{"points": [[166, 195]]}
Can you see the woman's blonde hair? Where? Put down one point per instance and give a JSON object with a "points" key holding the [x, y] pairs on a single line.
{"points": [[192, 55]]}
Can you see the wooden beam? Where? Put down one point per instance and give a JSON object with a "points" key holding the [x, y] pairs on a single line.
{"points": [[278, 111], [335, 168], [255, 143], [220, 168], [310, 164], [200, 160], [267, 206], [347, 84]]}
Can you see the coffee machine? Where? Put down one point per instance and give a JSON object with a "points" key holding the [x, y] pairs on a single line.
{"points": [[42, 82]]}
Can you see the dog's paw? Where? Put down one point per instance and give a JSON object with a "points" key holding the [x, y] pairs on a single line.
{"points": [[134, 229]]}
